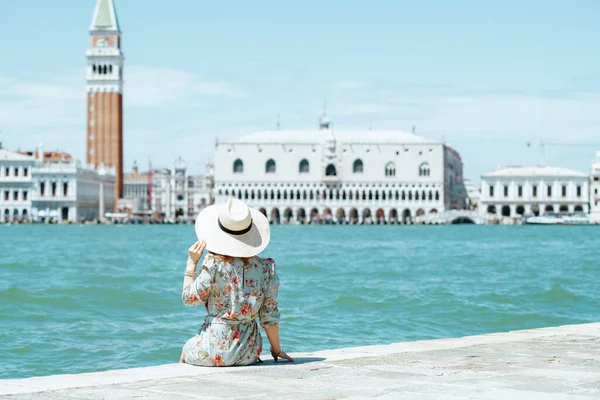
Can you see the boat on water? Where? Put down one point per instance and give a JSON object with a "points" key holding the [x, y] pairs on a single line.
{"points": [[559, 219]]}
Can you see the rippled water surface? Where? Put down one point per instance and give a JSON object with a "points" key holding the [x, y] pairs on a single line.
{"points": [[89, 298]]}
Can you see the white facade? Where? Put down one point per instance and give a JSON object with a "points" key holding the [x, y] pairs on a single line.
{"points": [[473, 194], [516, 191], [136, 191], [68, 191], [15, 186], [365, 176], [595, 187], [177, 196]]}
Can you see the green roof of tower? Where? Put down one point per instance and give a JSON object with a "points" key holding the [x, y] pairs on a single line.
{"points": [[105, 16]]}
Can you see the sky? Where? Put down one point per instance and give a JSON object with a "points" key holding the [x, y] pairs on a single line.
{"points": [[486, 77]]}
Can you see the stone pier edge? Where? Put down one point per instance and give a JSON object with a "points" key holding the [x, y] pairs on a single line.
{"points": [[175, 370]]}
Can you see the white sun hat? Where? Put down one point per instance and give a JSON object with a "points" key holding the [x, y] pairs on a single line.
{"points": [[233, 229]]}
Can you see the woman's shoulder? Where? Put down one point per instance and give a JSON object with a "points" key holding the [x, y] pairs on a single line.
{"points": [[267, 263]]}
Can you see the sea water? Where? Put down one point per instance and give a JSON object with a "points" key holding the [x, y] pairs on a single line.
{"points": [[90, 298]]}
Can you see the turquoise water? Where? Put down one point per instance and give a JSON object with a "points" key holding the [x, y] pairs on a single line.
{"points": [[89, 298]]}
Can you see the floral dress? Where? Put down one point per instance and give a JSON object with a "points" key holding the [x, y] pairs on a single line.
{"points": [[235, 292]]}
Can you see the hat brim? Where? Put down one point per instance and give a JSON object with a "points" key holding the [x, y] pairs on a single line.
{"points": [[217, 241]]}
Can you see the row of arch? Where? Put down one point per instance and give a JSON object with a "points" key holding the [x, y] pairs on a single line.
{"points": [[332, 194], [505, 211], [341, 216], [16, 214], [330, 170], [102, 69]]}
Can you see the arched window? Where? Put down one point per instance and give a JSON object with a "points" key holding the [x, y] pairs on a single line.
{"points": [[104, 69], [437, 195], [304, 195], [238, 166], [303, 168], [246, 195], [240, 194], [364, 195], [110, 69], [258, 193], [423, 197], [370, 195], [252, 195], [357, 167], [270, 167], [312, 196], [417, 195], [226, 192], [409, 195], [403, 195], [350, 195], [430, 195], [424, 169], [390, 169], [94, 68], [272, 195], [330, 170], [377, 195], [383, 195], [344, 195], [278, 195], [285, 195]]}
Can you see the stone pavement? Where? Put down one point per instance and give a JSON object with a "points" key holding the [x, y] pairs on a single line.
{"points": [[549, 363]]}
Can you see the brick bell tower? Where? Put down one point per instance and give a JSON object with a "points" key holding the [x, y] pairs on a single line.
{"points": [[105, 93]]}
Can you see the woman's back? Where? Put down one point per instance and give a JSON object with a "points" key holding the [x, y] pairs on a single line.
{"points": [[236, 289]]}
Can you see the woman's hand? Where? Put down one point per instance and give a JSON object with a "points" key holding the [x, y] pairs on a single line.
{"points": [[196, 250], [281, 354]]}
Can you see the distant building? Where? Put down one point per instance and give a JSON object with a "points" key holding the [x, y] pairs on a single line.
{"points": [[473, 194], [516, 191], [322, 174], [136, 192], [595, 187], [177, 196], [66, 190], [104, 77], [54, 187], [16, 185]]}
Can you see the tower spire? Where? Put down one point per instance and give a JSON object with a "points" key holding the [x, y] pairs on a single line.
{"points": [[324, 122], [105, 17]]}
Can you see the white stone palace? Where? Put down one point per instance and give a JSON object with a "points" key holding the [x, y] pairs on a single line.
{"points": [[16, 184], [52, 186], [516, 191], [336, 176]]}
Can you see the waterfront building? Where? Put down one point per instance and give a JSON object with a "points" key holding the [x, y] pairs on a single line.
{"points": [[15, 185], [136, 191], [516, 191], [177, 196], [104, 145], [595, 188], [473, 194], [66, 190], [325, 175]]}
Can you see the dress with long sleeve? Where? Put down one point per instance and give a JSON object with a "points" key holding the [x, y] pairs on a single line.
{"points": [[236, 292]]}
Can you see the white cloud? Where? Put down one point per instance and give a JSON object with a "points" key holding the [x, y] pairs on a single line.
{"points": [[145, 87]]}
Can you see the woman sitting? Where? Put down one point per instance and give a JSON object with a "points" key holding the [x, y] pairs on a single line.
{"points": [[235, 285]]}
